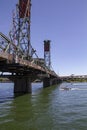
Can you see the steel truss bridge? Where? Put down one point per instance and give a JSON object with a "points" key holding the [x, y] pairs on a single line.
{"points": [[17, 56]]}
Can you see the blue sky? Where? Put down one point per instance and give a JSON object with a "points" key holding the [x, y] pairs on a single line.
{"points": [[64, 22]]}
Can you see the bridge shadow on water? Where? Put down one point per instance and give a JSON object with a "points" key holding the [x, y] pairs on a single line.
{"points": [[7, 91], [29, 111], [37, 88]]}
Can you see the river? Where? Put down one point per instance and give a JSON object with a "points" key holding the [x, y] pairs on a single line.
{"points": [[52, 108]]}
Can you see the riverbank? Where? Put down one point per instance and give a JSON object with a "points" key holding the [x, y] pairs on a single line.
{"points": [[5, 80]]}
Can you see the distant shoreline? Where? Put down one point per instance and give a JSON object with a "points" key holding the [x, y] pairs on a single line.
{"points": [[5, 80]]}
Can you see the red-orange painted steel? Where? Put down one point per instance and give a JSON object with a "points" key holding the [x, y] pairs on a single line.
{"points": [[47, 46], [23, 10]]}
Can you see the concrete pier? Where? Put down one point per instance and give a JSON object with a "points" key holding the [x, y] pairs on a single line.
{"points": [[47, 82], [22, 85]]}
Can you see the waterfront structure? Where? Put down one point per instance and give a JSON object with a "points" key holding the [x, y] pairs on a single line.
{"points": [[17, 55]]}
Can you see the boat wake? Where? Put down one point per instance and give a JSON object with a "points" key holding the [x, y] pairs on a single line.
{"points": [[72, 89]]}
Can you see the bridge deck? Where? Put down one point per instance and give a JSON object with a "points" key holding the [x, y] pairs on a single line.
{"points": [[9, 64]]}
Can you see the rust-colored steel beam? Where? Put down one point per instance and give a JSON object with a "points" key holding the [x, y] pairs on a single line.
{"points": [[20, 65]]}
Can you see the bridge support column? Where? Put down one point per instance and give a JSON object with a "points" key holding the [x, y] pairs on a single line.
{"points": [[50, 81], [22, 85], [54, 81], [47, 82]]}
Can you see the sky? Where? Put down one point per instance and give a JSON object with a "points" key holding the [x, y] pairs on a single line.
{"points": [[64, 22]]}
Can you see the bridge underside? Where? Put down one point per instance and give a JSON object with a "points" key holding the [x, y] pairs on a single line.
{"points": [[23, 73], [9, 64]]}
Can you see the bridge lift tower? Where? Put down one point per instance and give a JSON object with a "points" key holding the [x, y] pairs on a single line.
{"points": [[20, 33], [47, 54]]}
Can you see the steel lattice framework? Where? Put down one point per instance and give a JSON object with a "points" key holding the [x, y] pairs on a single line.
{"points": [[20, 33]]}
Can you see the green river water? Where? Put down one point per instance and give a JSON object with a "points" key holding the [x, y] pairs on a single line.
{"points": [[52, 108]]}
